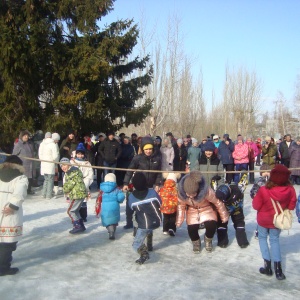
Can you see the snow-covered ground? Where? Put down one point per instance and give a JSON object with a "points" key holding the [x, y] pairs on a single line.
{"points": [[56, 265]]}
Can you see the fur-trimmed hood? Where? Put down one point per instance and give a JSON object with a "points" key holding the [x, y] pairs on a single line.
{"points": [[9, 171], [203, 189]]}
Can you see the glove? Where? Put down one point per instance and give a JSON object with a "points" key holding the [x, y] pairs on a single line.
{"points": [[216, 178]]}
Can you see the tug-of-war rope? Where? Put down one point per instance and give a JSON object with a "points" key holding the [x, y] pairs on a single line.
{"points": [[134, 170]]}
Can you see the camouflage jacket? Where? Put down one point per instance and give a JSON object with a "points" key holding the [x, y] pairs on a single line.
{"points": [[74, 185]]}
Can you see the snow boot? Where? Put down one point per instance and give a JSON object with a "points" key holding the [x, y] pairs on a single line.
{"points": [[278, 271], [266, 269], [144, 255], [77, 227], [208, 244], [196, 246], [10, 271], [111, 232], [149, 242]]}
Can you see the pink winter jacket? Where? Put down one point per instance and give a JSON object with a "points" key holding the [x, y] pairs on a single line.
{"points": [[197, 212], [241, 154]]}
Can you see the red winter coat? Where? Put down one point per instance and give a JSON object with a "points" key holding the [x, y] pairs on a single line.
{"points": [[286, 195]]}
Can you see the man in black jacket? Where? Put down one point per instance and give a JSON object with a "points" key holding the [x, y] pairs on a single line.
{"points": [[147, 160], [110, 150]]}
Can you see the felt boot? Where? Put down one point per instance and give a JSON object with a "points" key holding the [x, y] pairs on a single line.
{"points": [[196, 246], [111, 232], [208, 244]]}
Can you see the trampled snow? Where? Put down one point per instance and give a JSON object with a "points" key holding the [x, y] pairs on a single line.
{"points": [[56, 265]]}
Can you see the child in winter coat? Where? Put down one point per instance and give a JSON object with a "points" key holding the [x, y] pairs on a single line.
{"points": [[75, 188], [198, 204], [261, 181], [88, 176], [280, 190], [169, 197], [13, 190], [146, 203], [233, 198], [111, 199]]}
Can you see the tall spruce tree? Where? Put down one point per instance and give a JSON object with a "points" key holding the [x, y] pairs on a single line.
{"points": [[59, 69]]}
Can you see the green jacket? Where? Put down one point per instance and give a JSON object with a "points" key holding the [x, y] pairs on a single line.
{"points": [[269, 155], [74, 185]]}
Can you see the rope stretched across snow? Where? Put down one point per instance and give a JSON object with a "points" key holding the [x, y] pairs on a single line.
{"points": [[134, 170]]}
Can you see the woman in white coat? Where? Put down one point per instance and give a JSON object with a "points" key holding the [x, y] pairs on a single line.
{"points": [[49, 151], [167, 155], [13, 190]]}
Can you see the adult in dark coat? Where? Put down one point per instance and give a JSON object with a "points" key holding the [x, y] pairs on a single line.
{"points": [[24, 148], [180, 156], [124, 160], [147, 160], [294, 153], [68, 145], [110, 150], [98, 158], [226, 148], [284, 150]]}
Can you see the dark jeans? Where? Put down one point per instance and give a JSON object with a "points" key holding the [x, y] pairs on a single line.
{"points": [[229, 176], [210, 229], [99, 177], [6, 250], [169, 222]]}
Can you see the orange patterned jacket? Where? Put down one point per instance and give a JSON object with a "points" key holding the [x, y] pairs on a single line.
{"points": [[169, 197]]}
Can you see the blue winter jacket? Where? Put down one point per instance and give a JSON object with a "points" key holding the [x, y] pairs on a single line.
{"points": [[111, 199], [148, 215], [225, 152]]}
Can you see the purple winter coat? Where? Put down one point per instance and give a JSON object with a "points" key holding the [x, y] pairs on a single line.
{"points": [[294, 153]]}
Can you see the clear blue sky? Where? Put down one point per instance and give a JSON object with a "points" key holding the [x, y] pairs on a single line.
{"points": [[262, 35]]}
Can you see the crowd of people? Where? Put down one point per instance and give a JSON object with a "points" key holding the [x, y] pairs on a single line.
{"points": [[163, 181]]}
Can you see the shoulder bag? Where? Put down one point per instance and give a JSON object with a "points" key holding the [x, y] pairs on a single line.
{"points": [[284, 219]]}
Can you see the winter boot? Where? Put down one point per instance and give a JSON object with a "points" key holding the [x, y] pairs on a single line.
{"points": [[10, 271], [144, 255], [222, 237], [77, 227], [111, 232], [208, 244], [196, 246], [266, 269], [149, 242], [278, 270]]}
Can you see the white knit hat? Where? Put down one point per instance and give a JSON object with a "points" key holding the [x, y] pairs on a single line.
{"points": [[48, 135], [111, 177], [55, 136], [179, 141], [194, 141], [172, 176]]}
